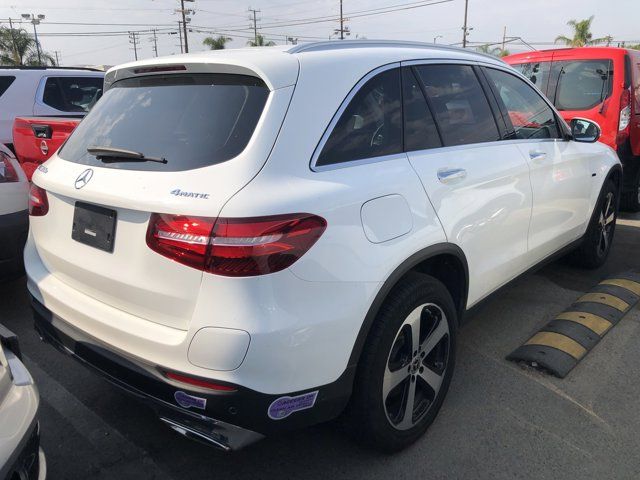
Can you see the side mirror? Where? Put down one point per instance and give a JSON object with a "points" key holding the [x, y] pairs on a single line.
{"points": [[584, 130]]}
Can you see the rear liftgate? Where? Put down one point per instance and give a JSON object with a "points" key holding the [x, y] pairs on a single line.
{"points": [[565, 340]]}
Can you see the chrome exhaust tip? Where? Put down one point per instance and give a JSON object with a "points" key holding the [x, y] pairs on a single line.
{"points": [[219, 435]]}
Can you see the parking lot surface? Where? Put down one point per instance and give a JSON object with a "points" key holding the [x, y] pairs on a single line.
{"points": [[499, 420]]}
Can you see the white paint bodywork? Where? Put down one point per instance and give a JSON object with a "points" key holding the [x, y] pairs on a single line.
{"points": [[303, 321], [24, 95], [13, 195]]}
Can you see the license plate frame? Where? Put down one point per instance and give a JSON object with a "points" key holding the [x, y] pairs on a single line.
{"points": [[94, 226]]}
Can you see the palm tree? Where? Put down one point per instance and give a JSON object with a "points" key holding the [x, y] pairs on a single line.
{"points": [[218, 43], [495, 51], [260, 42], [582, 35], [17, 47]]}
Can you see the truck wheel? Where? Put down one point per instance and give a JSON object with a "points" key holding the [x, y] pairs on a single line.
{"points": [[406, 366], [597, 240]]}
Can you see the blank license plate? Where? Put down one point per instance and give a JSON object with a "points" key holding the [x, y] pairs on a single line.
{"points": [[94, 226]]}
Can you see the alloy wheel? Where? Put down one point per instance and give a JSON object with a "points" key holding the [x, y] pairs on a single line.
{"points": [[416, 366], [606, 223]]}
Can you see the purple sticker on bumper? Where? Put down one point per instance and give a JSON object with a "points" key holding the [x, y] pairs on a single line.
{"points": [[285, 406], [186, 401]]}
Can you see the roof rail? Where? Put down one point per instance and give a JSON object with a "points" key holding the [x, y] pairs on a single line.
{"points": [[344, 44], [38, 67]]}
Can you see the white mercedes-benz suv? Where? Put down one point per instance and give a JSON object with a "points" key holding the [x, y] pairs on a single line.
{"points": [[258, 240]]}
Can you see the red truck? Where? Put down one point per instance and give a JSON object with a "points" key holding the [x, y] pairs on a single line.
{"points": [[601, 84], [35, 139]]}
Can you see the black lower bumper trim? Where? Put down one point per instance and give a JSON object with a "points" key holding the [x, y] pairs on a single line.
{"points": [[244, 408]]}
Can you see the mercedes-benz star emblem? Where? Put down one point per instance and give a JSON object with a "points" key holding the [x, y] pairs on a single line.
{"points": [[84, 178]]}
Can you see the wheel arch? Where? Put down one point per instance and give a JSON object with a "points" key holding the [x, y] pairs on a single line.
{"points": [[444, 261]]}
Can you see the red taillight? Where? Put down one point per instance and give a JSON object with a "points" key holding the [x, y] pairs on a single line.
{"points": [[198, 382], [38, 201], [235, 247], [7, 170], [625, 110]]}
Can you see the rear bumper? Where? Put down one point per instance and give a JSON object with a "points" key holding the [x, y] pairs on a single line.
{"points": [[228, 420], [13, 235]]}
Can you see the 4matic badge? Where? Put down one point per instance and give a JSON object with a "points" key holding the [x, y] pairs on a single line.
{"points": [[181, 193]]}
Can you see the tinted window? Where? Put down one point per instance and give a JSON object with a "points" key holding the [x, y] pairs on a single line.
{"points": [[583, 84], [420, 130], [529, 114], [5, 82], [72, 94], [371, 125], [537, 72], [459, 104], [191, 120]]}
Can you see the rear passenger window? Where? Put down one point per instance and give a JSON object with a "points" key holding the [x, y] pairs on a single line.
{"points": [[529, 114], [5, 83], [420, 130], [72, 94], [371, 125], [459, 104]]}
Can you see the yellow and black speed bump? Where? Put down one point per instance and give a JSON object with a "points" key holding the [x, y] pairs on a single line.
{"points": [[566, 339]]}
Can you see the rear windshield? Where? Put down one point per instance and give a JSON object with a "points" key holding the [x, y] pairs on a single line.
{"points": [[583, 84], [192, 120]]}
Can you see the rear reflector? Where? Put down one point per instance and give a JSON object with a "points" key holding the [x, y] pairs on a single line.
{"points": [[8, 173], [235, 247], [38, 201], [198, 382]]}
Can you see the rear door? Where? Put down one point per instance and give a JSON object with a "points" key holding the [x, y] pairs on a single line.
{"points": [[67, 95], [215, 131], [478, 185], [560, 173]]}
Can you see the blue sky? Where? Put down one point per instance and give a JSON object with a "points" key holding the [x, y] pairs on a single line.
{"points": [[537, 21]]}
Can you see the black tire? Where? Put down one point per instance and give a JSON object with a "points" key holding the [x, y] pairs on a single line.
{"points": [[597, 241], [630, 201], [370, 410]]}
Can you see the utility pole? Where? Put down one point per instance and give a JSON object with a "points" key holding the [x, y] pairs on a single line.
{"points": [[465, 29], [56, 52], [35, 20], [341, 22], [185, 19], [504, 39], [155, 42], [134, 40], [180, 33], [255, 25]]}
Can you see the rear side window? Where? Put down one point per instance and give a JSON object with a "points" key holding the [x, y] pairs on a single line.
{"points": [[192, 120], [420, 131], [371, 125], [583, 84], [538, 73], [5, 83], [459, 104], [72, 94], [529, 114]]}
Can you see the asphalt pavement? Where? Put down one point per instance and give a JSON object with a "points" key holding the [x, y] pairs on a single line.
{"points": [[499, 421]]}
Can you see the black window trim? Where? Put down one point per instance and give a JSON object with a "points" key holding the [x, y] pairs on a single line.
{"points": [[484, 84]]}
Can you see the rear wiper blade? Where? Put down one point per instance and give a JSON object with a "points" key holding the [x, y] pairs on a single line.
{"points": [[114, 154]]}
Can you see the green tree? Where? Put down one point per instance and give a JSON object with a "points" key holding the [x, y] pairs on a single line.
{"points": [[582, 35], [495, 51], [633, 47], [217, 43], [260, 42], [17, 47]]}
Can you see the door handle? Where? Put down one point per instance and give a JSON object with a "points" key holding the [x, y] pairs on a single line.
{"points": [[537, 155], [448, 174]]}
